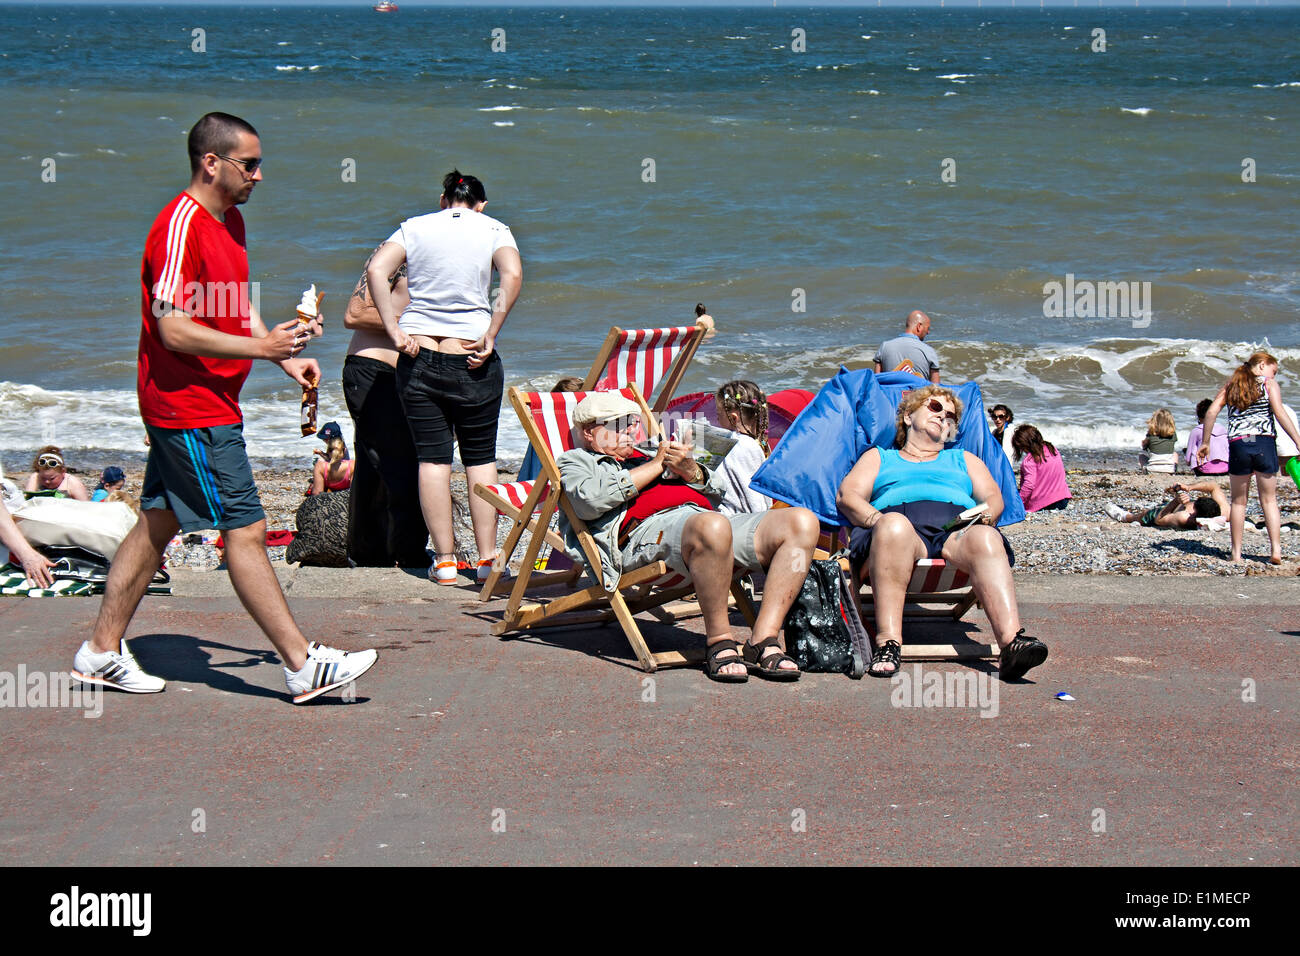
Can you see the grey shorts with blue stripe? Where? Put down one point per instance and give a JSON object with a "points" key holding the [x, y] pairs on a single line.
{"points": [[203, 475]]}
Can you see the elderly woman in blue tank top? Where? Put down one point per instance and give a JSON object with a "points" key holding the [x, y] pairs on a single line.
{"points": [[900, 498]]}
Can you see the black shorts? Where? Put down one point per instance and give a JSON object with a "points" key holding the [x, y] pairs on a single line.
{"points": [[1252, 454], [928, 519], [202, 475], [442, 395]]}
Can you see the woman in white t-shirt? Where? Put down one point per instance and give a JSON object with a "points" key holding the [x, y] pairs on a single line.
{"points": [[449, 375]]}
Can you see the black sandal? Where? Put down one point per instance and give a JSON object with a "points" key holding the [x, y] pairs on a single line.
{"points": [[891, 653], [769, 666], [1020, 655], [713, 666]]}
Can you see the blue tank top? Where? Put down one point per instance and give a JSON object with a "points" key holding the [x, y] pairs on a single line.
{"points": [[944, 479]]}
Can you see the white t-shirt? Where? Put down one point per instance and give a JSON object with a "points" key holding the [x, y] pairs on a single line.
{"points": [[1285, 446], [737, 468], [449, 271]]}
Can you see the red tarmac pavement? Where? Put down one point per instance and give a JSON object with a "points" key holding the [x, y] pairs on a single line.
{"points": [[461, 748]]}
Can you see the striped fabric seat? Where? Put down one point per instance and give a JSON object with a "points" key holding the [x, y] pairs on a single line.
{"points": [[643, 356], [547, 420], [932, 575], [516, 492], [14, 581]]}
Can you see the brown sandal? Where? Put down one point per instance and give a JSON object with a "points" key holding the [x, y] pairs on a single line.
{"points": [[769, 666], [713, 665]]}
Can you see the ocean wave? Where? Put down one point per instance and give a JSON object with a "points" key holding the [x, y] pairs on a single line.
{"points": [[1138, 111], [498, 109]]}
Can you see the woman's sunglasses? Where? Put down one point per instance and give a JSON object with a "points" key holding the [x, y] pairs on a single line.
{"points": [[936, 406], [45, 462]]}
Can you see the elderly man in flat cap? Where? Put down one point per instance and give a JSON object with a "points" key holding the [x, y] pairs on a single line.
{"points": [[642, 509]]}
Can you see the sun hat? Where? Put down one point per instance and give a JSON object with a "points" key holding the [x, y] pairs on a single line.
{"points": [[604, 407]]}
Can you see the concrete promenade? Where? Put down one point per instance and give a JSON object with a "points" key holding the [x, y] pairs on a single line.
{"points": [[462, 748]]}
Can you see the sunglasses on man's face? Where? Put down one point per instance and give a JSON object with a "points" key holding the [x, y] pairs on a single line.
{"points": [[936, 406], [49, 463], [250, 165]]}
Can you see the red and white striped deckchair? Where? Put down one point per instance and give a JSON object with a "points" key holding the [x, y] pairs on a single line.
{"points": [[935, 590], [547, 418], [648, 358]]}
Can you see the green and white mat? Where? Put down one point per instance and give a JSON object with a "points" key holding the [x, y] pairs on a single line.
{"points": [[14, 581]]}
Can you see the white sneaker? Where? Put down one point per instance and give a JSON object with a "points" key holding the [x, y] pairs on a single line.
{"points": [[444, 572], [114, 670], [485, 569], [327, 668], [1115, 511]]}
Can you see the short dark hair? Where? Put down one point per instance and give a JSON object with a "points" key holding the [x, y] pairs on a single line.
{"points": [[1202, 407], [459, 187], [215, 133], [1205, 508]]}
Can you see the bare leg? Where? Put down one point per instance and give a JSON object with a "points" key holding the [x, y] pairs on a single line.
{"points": [[129, 575], [481, 513], [435, 503], [1239, 486], [706, 552], [784, 540], [895, 549], [980, 554], [259, 591], [1266, 486]]}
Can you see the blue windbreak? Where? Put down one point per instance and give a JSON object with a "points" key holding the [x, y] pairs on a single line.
{"points": [[856, 411]]}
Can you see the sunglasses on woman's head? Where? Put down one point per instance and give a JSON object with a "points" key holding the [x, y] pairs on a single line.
{"points": [[49, 463], [936, 406]]}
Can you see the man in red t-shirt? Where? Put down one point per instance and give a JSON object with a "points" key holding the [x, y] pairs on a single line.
{"points": [[199, 335]]}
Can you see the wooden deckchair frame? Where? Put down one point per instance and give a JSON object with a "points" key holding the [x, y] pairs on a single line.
{"points": [[666, 389], [591, 604], [951, 603], [672, 377]]}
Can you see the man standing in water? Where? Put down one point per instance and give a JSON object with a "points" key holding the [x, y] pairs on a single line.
{"points": [[199, 335], [909, 351]]}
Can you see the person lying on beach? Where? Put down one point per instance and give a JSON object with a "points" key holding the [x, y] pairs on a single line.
{"points": [[1180, 511], [34, 564], [50, 477], [642, 509], [900, 499]]}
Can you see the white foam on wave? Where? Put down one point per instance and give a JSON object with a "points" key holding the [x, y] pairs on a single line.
{"points": [[1139, 111], [954, 76], [498, 109], [503, 123], [290, 68]]}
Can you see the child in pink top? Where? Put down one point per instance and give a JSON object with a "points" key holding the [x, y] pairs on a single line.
{"points": [[1042, 474]]}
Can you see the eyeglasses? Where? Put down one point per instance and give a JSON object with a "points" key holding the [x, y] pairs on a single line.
{"points": [[936, 406], [49, 461], [250, 166], [625, 424]]}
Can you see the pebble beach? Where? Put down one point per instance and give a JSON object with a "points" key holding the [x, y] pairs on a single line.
{"points": [[1079, 540]]}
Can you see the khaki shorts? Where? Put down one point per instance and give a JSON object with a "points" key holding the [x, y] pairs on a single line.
{"points": [[659, 538]]}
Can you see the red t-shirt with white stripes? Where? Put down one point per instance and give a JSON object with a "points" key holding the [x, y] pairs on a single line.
{"points": [[198, 264]]}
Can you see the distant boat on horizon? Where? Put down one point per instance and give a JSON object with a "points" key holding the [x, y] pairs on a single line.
{"points": [[385, 6]]}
